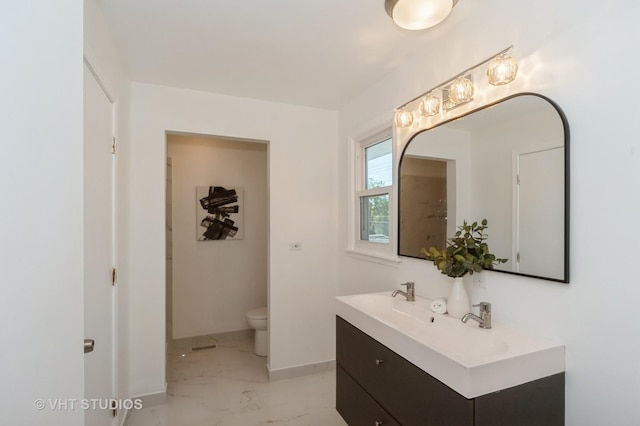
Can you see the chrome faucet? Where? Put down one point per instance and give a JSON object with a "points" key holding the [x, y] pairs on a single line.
{"points": [[484, 320], [410, 294]]}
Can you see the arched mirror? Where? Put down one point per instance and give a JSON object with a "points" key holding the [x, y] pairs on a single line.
{"points": [[508, 163]]}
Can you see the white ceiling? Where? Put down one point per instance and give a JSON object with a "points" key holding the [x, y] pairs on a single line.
{"points": [[318, 53]]}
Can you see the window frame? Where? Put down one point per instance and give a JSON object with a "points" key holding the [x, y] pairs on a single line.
{"points": [[365, 249]]}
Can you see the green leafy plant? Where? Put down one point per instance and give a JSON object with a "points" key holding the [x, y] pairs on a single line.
{"points": [[466, 253]]}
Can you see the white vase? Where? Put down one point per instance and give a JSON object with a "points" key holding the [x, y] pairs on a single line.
{"points": [[458, 301]]}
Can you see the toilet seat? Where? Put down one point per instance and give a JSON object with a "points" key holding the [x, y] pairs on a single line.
{"points": [[258, 313]]}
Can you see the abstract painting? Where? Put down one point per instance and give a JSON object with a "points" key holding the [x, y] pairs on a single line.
{"points": [[219, 213]]}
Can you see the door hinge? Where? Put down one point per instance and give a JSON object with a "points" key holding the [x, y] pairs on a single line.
{"points": [[518, 257], [114, 276], [114, 408], [114, 146], [518, 179]]}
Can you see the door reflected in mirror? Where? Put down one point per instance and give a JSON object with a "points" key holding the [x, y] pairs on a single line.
{"points": [[506, 163]]}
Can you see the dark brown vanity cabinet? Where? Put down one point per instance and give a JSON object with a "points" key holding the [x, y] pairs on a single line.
{"points": [[377, 387]]}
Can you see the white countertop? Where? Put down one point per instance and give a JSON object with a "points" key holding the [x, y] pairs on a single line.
{"points": [[470, 360]]}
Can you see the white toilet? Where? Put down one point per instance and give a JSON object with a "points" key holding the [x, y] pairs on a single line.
{"points": [[257, 319]]}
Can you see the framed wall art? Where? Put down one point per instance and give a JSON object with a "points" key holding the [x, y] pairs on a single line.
{"points": [[219, 213]]}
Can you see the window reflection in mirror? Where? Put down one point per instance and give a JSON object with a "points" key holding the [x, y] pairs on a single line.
{"points": [[507, 164]]}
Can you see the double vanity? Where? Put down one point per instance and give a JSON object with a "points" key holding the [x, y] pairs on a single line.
{"points": [[505, 157], [398, 363]]}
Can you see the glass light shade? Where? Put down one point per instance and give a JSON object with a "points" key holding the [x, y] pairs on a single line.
{"points": [[429, 106], [502, 70], [461, 90], [420, 14], [404, 118]]}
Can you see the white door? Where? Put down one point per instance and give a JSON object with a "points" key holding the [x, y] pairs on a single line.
{"points": [[541, 201], [98, 252]]}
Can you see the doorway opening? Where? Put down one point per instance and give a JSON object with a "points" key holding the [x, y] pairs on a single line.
{"points": [[217, 235]]}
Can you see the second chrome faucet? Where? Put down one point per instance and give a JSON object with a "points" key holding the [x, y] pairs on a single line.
{"points": [[410, 294], [484, 320]]}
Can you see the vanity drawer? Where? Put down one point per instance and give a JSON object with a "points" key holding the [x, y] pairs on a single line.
{"points": [[356, 406], [401, 388]]}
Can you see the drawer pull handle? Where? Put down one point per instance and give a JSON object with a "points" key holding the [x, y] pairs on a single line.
{"points": [[378, 362], [379, 423]]}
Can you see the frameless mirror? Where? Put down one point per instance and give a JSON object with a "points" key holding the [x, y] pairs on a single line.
{"points": [[507, 163]]}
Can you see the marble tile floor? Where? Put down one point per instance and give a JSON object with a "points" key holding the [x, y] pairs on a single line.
{"points": [[228, 386]]}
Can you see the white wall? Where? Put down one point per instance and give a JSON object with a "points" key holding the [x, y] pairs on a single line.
{"points": [[216, 282], [41, 300], [575, 53], [303, 208], [102, 55]]}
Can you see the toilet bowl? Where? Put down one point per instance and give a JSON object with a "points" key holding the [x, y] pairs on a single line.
{"points": [[257, 319]]}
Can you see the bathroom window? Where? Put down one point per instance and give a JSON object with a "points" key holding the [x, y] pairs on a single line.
{"points": [[374, 185]]}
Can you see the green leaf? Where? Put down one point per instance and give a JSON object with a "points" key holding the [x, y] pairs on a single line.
{"points": [[465, 253]]}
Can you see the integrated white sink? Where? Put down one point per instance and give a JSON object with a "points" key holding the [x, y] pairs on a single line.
{"points": [[468, 359]]}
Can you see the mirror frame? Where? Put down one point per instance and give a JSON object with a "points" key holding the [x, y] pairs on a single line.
{"points": [[565, 125]]}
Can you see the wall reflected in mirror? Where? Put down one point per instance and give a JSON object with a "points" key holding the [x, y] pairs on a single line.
{"points": [[508, 164]]}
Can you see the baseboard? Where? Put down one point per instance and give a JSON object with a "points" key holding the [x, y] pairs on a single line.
{"points": [[301, 370], [148, 400], [153, 399]]}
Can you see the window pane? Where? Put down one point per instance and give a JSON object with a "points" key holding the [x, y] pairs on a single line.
{"points": [[378, 167], [374, 218]]}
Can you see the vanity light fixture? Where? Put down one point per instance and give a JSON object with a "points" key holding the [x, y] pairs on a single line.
{"points": [[404, 118], [460, 91], [429, 105], [502, 70], [418, 14]]}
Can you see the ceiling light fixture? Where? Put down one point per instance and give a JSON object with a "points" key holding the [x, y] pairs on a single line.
{"points": [[418, 14]]}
